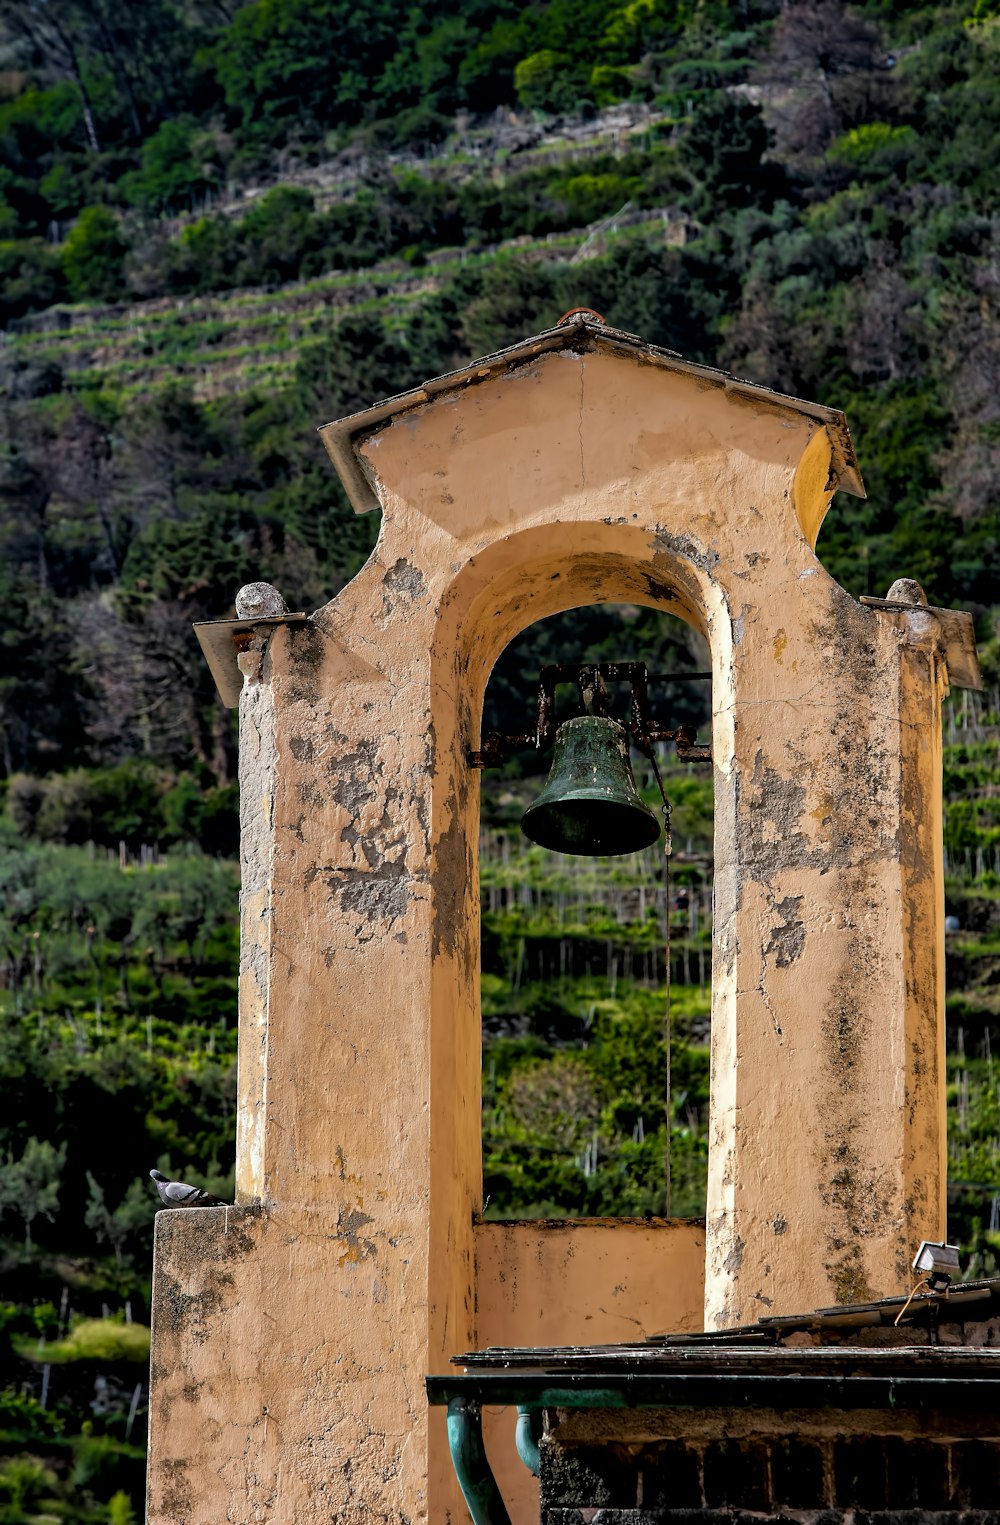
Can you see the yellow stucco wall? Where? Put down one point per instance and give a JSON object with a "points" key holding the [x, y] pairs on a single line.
{"points": [[290, 1342], [578, 1282]]}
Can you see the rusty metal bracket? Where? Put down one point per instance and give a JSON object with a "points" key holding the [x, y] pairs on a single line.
{"points": [[222, 641], [956, 637], [591, 679]]}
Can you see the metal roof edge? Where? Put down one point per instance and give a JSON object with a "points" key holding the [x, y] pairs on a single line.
{"points": [[221, 642]]}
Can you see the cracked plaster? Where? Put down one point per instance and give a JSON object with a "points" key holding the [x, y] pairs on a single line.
{"points": [[572, 479]]}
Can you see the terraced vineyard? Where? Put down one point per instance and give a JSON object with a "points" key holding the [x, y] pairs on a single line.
{"points": [[213, 238], [234, 341]]}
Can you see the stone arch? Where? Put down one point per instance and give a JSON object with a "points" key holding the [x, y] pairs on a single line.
{"points": [[507, 588], [498, 592]]}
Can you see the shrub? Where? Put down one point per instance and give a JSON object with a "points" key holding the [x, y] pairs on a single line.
{"points": [[276, 234], [120, 1511], [31, 277], [100, 1339], [176, 168], [103, 805], [24, 1481], [545, 81], [93, 256], [23, 1421], [874, 148], [66, 807], [99, 1462], [25, 796]]}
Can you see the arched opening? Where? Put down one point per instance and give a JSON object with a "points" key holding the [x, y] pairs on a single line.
{"points": [[502, 589], [596, 970]]}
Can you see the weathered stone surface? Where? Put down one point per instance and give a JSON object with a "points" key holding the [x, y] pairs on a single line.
{"points": [[289, 1387], [259, 600]]}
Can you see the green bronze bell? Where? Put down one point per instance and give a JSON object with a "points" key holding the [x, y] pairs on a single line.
{"points": [[590, 805]]}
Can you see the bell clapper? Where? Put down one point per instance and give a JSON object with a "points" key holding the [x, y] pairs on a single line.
{"points": [[593, 694]]}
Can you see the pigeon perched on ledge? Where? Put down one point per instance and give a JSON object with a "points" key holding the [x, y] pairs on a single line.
{"points": [[180, 1194]]}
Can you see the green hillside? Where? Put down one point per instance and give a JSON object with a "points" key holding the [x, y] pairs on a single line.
{"points": [[223, 224]]}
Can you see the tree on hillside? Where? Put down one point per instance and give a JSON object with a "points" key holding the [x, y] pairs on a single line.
{"points": [[723, 149], [52, 35], [29, 1186], [117, 1225], [817, 47], [94, 257], [306, 61], [179, 167], [128, 59], [57, 464]]}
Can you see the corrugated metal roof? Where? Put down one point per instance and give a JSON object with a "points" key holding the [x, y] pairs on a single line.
{"points": [[747, 1346]]}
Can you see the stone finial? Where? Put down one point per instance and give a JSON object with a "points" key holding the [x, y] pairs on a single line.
{"points": [[259, 600], [906, 590]]}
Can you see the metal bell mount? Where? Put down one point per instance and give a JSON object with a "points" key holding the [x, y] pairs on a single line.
{"points": [[590, 805]]}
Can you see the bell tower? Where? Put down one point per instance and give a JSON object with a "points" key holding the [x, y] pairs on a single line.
{"points": [[292, 1332]]}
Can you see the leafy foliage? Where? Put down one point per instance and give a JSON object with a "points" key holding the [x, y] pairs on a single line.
{"points": [[274, 213], [31, 1183], [92, 256]]}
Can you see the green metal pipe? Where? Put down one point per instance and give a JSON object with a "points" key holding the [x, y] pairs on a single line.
{"points": [[532, 1392], [472, 1466], [527, 1436]]}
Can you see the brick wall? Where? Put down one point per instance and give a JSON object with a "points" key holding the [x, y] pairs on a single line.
{"points": [[835, 1479]]}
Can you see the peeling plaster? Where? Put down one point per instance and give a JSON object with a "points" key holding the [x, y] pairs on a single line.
{"points": [[683, 548], [565, 481], [404, 584], [788, 938], [379, 899], [733, 1263]]}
